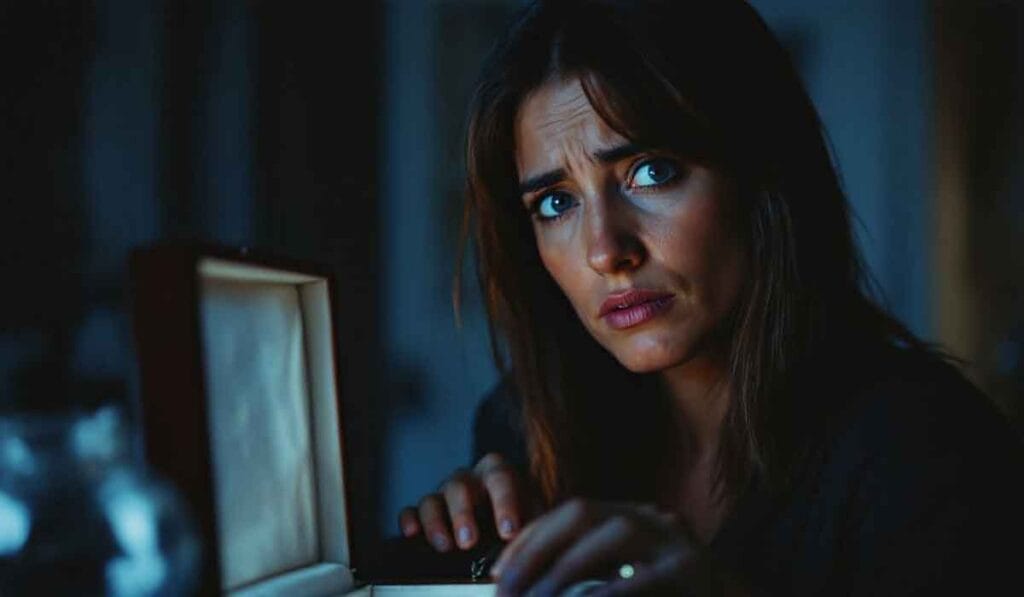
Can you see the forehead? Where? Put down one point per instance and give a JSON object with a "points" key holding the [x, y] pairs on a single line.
{"points": [[555, 121]]}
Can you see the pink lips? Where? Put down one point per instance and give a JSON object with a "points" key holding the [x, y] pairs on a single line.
{"points": [[633, 307]]}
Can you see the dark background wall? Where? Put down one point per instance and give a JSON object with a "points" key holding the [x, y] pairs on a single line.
{"points": [[126, 123], [332, 132]]}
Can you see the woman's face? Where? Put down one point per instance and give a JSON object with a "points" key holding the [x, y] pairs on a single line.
{"points": [[644, 244]]}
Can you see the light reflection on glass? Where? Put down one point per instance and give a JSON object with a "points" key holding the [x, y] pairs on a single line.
{"points": [[15, 522], [15, 456]]}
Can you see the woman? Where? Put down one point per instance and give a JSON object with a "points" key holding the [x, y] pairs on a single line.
{"points": [[703, 396]]}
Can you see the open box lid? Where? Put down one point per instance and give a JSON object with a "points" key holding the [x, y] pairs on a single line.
{"points": [[238, 363]]}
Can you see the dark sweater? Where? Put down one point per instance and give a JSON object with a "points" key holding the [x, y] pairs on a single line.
{"points": [[914, 486]]}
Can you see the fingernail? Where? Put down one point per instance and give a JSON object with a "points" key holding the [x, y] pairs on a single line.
{"points": [[465, 535], [440, 542], [410, 530], [506, 527]]}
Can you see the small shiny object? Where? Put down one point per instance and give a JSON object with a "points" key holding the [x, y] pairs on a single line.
{"points": [[626, 571], [481, 566], [478, 568]]}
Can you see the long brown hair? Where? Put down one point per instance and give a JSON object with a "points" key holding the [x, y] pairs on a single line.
{"points": [[705, 79]]}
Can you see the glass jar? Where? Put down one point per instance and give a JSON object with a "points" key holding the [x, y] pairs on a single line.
{"points": [[77, 517]]}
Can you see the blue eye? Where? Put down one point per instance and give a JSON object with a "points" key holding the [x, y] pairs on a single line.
{"points": [[553, 205], [655, 172]]}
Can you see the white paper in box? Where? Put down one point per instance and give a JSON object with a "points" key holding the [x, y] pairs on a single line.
{"points": [[276, 449]]}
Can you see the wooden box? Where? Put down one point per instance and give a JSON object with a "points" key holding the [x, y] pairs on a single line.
{"points": [[241, 410]]}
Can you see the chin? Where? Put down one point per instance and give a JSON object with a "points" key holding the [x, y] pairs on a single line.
{"points": [[648, 355]]}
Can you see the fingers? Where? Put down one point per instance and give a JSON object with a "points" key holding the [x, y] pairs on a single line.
{"points": [[408, 523], [526, 558], [512, 549], [501, 483], [434, 520], [461, 494], [677, 571], [448, 518], [580, 540], [664, 576], [613, 542]]}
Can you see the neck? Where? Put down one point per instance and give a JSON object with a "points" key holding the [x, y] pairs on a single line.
{"points": [[700, 393]]}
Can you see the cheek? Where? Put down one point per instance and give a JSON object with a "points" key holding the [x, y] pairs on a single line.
{"points": [[723, 265], [702, 244], [568, 270], [557, 260]]}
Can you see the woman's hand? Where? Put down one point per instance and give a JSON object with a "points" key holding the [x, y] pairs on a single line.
{"points": [[581, 540], [451, 513]]}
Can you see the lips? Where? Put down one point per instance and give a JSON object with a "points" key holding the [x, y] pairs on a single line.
{"points": [[633, 307]]}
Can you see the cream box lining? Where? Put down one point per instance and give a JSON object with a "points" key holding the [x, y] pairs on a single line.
{"points": [[274, 430]]}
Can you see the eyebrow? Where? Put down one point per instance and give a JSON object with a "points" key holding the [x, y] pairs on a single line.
{"points": [[605, 156]]}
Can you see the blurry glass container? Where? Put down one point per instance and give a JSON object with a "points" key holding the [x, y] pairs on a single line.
{"points": [[77, 517]]}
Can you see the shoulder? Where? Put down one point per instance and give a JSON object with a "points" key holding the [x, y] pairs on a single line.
{"points": [[906, 419], [908, 404], [929, 473]]}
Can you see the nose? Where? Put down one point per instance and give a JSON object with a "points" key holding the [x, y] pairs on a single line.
{"points": [[613, 244]]}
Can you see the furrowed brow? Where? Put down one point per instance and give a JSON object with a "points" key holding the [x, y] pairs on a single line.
{"points": [[536, 183], [606, 156], [614, 154]]}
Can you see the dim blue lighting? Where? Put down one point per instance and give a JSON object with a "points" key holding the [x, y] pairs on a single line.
{"points": [[15, 523]]}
